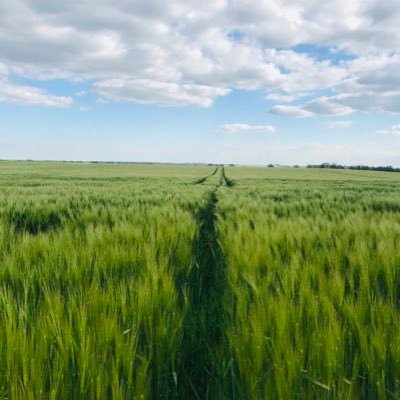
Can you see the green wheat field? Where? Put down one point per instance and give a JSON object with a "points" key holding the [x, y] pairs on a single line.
{"points": [[198, 282]]}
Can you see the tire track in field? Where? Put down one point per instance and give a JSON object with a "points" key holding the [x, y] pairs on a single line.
{"points": [[202, 180], [228, 182], [204, 334]]}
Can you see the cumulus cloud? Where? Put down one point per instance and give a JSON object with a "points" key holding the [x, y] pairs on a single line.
{"points": [[280, 98], [354, 25], [20, 94], [393, 131], [154, 92], [327, 106], [245, 128], [369, 84], [3, 69], [291, 111], [194, 53]]}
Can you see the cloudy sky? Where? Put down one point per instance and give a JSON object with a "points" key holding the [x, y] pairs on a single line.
{"points": [[241, 81]]}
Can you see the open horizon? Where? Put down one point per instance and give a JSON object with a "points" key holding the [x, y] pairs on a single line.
{"points": [[276, 165]]}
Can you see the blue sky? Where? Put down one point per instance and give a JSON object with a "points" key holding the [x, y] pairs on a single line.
{"points": [[179, 82]]}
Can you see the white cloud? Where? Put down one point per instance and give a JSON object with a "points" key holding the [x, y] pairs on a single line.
{"points": [[354, 25], [303, 72], [154, 92], [339, 124], [3, 69], [393, 131], [239, 128], [327, 106], [20, 94], [321, 106], [280, 98], [196, 52], [291, 111]]}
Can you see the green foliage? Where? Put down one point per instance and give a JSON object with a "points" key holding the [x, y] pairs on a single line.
{"points": [[149, 282], [89, 305], [313, 288], [32, 220]]}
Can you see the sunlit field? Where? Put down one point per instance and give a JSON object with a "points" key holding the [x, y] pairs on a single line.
{"points": [[198, 282]]}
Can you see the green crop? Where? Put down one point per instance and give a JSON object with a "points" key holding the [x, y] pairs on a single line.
{"points": [[163, 282]]}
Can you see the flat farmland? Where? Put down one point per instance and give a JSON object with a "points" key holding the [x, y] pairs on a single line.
{"points": [[141, 281]]}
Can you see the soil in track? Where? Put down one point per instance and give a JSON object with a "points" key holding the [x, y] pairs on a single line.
{"points": [[202, 180], [203, 366], [228, 182], [200, 377]]}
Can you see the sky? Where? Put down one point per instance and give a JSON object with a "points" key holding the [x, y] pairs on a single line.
{"points": [[224, 81]]}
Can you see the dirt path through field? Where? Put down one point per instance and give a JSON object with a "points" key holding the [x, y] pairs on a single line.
{"points": [[205, 323]]}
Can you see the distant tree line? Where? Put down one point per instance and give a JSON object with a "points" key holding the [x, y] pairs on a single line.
{"points": [[387, 168]]}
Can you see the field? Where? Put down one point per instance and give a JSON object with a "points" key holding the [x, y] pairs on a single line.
{"points": [[198, 282]]}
